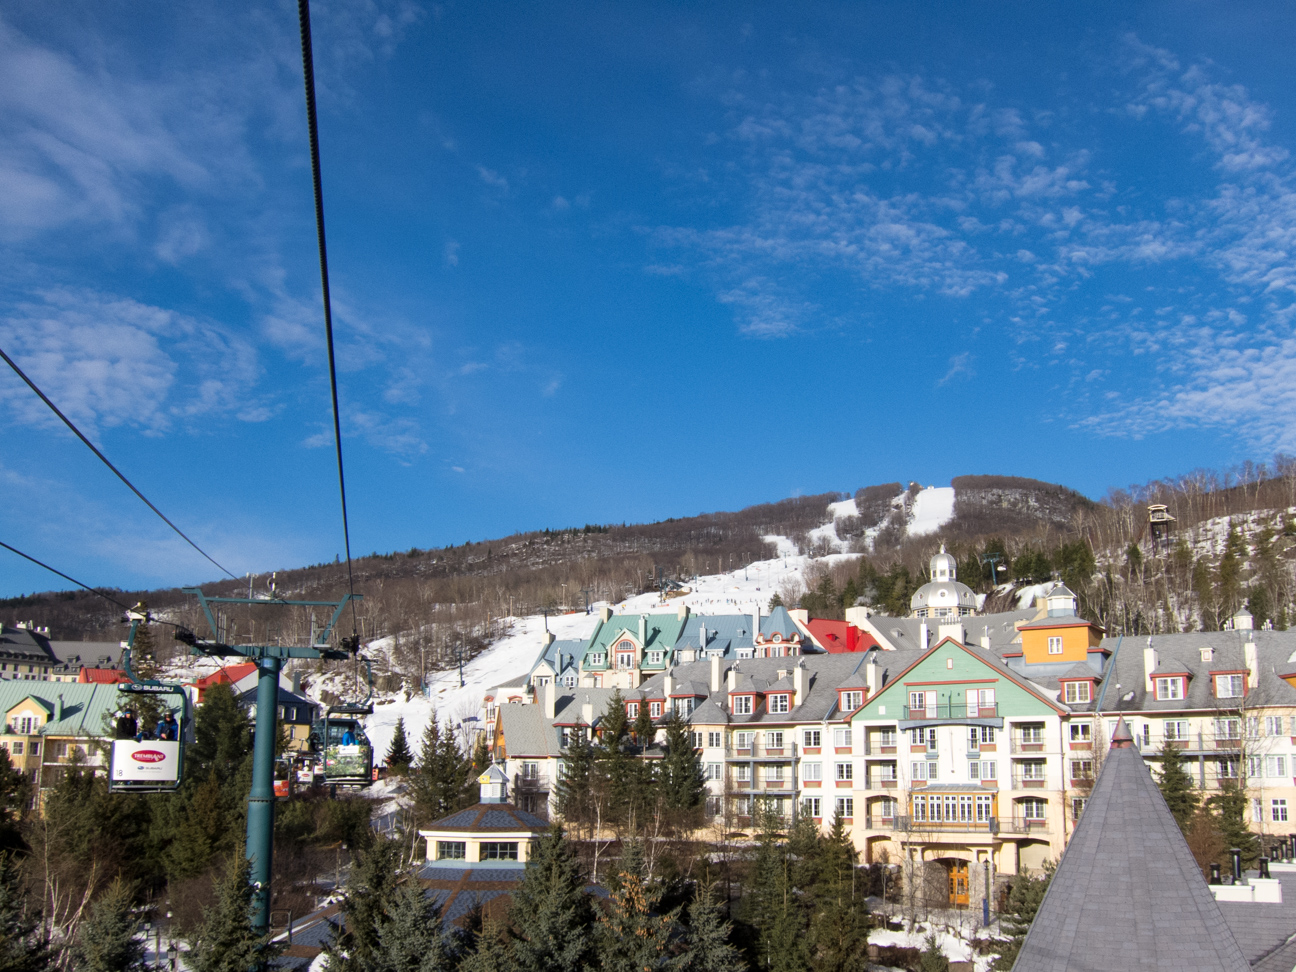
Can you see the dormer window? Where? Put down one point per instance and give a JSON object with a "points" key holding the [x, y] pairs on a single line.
{"points": [[1207, 654], [597, 658], [1079, 692], [742, 704], [1229, 687], [632, 709], [782, 702], [654, 709], [625, 659], [850, 701], [1169, 689], [655, 657], [777, 637]]}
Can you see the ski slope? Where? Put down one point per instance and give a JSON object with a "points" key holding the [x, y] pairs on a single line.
{"points": [[933, 507]]}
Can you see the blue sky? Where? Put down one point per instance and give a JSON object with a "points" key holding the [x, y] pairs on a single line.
{"points": [[605, 261]]}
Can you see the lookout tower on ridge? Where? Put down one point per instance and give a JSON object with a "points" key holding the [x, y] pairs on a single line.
{"points": [[1160, 526]]}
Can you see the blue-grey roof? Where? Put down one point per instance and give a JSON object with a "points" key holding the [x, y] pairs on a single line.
{"points": [[779, 622], [1265, 931], [487, 818], [1127, 893], [726, 633]]}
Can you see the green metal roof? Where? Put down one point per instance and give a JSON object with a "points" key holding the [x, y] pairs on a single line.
{"points": [[87, 709]]}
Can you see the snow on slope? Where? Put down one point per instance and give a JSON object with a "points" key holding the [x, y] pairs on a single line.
{"points": [[933, 507], [828, 532]]}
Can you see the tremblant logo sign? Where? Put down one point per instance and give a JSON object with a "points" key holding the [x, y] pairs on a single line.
{"points": [[148, 756]]}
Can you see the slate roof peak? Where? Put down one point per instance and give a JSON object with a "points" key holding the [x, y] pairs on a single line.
{"points": [[1122, 738]]}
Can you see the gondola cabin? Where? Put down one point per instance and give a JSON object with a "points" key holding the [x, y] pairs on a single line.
{"points": [[346, 751]]}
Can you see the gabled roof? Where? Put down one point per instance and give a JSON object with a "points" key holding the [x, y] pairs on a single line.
{"points": [[1127, 893], [487, 818], [87, 709], [779, 622], [1080, 670], [1062, 621]]}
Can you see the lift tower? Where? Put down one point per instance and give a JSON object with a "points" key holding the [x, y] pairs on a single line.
{"points": [[269, 660]]}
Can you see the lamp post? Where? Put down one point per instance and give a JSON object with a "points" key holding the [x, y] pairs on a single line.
{"points": [[173, 955]]}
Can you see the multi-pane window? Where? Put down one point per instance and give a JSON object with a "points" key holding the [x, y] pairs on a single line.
{"points": [[713, 739], [743, 740], [451, 850], [502, 850], [851, 701], [845, 771], [923, 770], [813, 772], [1229, 768], [846, 807], [887, 737], [625, 659], [742, 704], [1081, 732], [530, 771], [918, 700], [841, 737], [978, 699], [685, 706], [1055, 645], [1273, 725], [1032, 733], [774, 774], [1276, 766], [655, 657], [774, 740], [697, 739], [979, 736], [632, 709], [1078, 692], [887, 808], [1168, 689], [1176, 729], [654, 709], [886, 772], [1077, 807], [1034, 809], [780, 702], [1033, 769], [1081, 770], [1228, 728], [984, 769], [742, 772], [1228, 686], [925, 737], [1278, 811], [713, 771], [1257, 809], [598, 658], [810, 738], [810, 807]]}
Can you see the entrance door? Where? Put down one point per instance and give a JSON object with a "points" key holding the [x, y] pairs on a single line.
{"points": [[958, 883]]}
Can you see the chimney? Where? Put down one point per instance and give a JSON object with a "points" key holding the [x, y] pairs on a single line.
{"points": [[985, 638], [550, 700], [682, 612], [798, 683], [922, 635], [1252, 662], [755, 623], [587, 711], [733, 677], [1149, 665], [547, 638], [605, 613], [643, 629], [58, 708], [872, 675], [296, 683], [702, 636], [715, 673]]}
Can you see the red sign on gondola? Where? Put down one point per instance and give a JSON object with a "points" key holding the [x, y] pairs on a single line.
{"points": [[148, 756]]}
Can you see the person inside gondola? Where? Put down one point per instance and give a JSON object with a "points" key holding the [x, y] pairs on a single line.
{"points": [[127, 725], [167, 727], [348, 738]]}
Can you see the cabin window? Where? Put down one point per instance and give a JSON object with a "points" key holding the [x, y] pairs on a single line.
{"points": [[502, 850], [597, 658], [632, 709], [655, 657], [451, 850]]}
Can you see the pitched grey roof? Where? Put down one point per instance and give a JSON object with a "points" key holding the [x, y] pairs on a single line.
{"points": [[485, 818], [726, 633], [906, 632], [1127, 894], [1080, 670], [1266, 932]]}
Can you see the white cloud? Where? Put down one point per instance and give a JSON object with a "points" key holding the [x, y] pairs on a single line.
{"points": [[493, 178]]}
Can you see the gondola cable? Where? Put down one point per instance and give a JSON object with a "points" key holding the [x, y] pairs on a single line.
{"points": [[54, 570], [104, 459], [308, 74]]}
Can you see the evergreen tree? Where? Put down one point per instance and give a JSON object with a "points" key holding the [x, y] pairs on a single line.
{"points": [[631, 936], [412, 938], [105, 940], [491, 953], [399, 756], [709, 948], [551, 913], [15, 792], [226, 941], [616, 772], [680, 777], [1228, 574], [643, 727], [576, 783], [1023, 902], [773, 912], [440, 783], [932, 959], [1177, 785], [839, 921], [367, 902], [22, 946], [1229, 808]]}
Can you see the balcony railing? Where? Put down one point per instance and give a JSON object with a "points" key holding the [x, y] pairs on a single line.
{"points": [[529, 784], [1000, 825], [759, 751], [952, 710], [1026, 745], [784, 786], [1196, 743]]}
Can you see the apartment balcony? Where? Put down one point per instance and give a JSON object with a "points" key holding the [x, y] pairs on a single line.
{"points": [[784, 787], [1029, 782], [1028, 747], [877, 783], [991, 828], [1193, 744], [951, 712], [529, 784], [759, 752]]}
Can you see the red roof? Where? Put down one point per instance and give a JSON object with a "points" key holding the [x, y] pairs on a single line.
{"points": [[226, 675], [102, 676], [840, 637]]}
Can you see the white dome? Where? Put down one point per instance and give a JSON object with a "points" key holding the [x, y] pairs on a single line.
{"points": [[935, 595], [943, 567]]}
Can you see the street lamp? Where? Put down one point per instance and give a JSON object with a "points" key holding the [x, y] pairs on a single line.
{"points": [[173, 955]]}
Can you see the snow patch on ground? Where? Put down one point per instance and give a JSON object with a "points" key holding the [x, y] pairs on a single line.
{"points": [[933, 507], [783, 547], [842, 509]]}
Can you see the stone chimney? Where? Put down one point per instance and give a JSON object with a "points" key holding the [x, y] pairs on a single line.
{"points": [[1149, 665], [715, 673], [798, 683], [605, 613], [682, 611], [550, 697], [1252, 662]]}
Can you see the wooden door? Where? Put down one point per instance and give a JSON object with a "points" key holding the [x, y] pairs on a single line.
{"points": [[958, 878]]}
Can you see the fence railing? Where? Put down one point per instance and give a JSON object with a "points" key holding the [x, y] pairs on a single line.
{"points": [[952, 710], [759, 750]]}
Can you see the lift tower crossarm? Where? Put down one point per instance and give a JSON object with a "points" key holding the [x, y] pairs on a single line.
{"points": [[269, 659]]}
